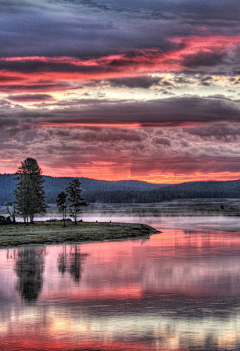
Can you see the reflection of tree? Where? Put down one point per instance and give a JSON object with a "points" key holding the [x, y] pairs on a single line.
{"points": [[72, 262], [29, 269], [75, 268], [62, 261]]}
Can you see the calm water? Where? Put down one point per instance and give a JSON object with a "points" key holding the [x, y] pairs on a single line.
{"points": [[179, 290]]}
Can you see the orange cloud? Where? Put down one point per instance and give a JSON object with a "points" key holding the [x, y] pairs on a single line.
{"points": [[92, 125], [175, 178]]}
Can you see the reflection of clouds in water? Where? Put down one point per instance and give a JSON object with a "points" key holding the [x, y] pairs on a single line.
{"points": [[177, 290]]}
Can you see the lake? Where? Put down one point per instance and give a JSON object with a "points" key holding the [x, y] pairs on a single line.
{"points": [[178, 290]]}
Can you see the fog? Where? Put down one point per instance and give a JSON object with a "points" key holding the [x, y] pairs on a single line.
{"points": [[178, 214]]}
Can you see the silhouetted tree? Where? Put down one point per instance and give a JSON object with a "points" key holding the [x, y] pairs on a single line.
{"points": [[29, 193], [62, 205], [75, 200], [29, 269]]}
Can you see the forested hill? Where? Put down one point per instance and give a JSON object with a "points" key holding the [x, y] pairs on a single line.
{"points": [[190, 190], [53, 185], [127, 191]]}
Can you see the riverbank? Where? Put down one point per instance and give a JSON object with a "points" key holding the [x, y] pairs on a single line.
{"points": [[54, 232]]}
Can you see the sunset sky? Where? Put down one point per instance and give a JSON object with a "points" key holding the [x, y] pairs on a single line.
{"points": [[116, 89]]}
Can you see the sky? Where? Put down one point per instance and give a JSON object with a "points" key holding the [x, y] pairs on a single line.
{"points": [[114, 89]]}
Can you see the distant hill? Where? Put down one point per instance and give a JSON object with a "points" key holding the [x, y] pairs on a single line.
{"points": [[190, 190], [53, 185], [205, 189], [127, 191]]}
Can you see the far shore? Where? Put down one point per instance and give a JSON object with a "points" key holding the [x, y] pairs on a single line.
{"points": [[180, 207], [54, 232]]}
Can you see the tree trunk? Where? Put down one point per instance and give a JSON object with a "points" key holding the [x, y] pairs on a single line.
{"points": [[75, 217], [31, 218], [64, 217]]}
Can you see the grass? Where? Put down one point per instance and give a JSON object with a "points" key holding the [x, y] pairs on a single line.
{"points": [[54, 232]]}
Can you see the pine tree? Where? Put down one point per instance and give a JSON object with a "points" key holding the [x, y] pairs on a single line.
{"points": [[62, 205], [29, 193], [75, 200]]}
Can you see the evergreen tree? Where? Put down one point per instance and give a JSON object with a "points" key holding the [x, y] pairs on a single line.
{"points": [[62, 205], [75, 200], [29, 193]]}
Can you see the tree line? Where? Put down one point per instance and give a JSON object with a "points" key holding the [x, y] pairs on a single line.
{"points": [[30, 196], [54, 185], [190, 190], [104, 191]]}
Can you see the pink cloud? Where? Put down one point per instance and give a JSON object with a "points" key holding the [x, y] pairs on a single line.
{"points": [[139, 63]]}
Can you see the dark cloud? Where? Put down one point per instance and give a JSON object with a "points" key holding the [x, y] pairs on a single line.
{"points": [[166, 112], [215, 9], [4, 78], [97, 28], [203, 59], [37, 66], [217, 132], [161, 140], [41, 86], [7, 122], [163, 112], [206, 81], [136, 82], [29, 98], [52, 29], [107, 135]]}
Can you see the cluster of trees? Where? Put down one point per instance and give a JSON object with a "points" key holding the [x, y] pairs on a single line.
{"points": [[72, 199], [30, 195]]}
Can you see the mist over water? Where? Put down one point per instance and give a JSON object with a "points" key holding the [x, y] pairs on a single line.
{"points": [[178, 290], [219, 222]]}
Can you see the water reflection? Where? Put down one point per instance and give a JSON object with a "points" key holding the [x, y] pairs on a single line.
{"points": [[71, 262], [29, 269], [180, 290], [62, 261]]}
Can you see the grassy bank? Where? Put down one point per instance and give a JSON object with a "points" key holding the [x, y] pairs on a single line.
{"points": [[54, 232]]}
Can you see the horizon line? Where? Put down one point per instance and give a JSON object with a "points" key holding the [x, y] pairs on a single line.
{"points": [[135, 180]]}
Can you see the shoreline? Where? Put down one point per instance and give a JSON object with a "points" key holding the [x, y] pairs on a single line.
{"points": [[54, 233]]}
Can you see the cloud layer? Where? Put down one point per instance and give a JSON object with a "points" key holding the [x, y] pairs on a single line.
{"points": [[144, 90]]}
